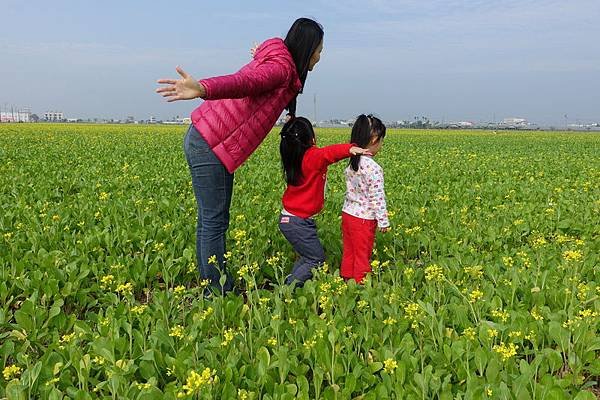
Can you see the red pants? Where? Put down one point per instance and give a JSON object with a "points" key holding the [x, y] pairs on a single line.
{"points": [[358, 236]]}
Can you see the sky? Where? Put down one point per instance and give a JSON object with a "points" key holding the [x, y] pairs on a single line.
{"points": [[452, 60]]}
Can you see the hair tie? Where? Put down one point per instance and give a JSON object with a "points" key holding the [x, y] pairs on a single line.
{"points": [[286, 135]]}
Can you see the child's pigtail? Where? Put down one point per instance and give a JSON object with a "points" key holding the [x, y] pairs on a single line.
{"points": [[360, 136]]}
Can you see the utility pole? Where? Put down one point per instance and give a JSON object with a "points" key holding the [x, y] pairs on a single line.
{"points": [[315, 108]]}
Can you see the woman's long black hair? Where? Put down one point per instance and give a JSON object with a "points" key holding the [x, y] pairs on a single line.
{"points": [[365, 127], [302, 40], [297, 136]]}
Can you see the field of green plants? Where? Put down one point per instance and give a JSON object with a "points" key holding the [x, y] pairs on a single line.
{"points": [[487, 286]]}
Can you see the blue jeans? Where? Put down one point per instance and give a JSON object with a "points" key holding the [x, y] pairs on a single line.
{"points": [[302, 235], [213, 187]]}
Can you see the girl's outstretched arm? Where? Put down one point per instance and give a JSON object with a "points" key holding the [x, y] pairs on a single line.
{"points": [[184, 88], [333, 153]]}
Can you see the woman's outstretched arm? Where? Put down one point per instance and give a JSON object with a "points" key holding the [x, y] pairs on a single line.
{"points": [[184, 88]]}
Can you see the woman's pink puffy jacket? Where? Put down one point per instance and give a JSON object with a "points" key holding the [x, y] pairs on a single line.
{"points": [[240, 109]]}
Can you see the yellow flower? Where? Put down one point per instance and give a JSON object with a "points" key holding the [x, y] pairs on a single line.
{"points": [[203, 283], [179, 290], [375, 265], [389, 321], [272, 341], [67, 338], [582, 291], [139, 309], [434, 273], [413, 313], [104, 196], [125, 289], [309, 344], [536, 315], [196, 381], [325, 302], [176, 331], [143, 386], [159, 246], [239, 234], [272, 261], [99, 360], [10, 372], [539, 242], [492, 333], [476, 272], [506, 351], [469, 333], [507, 261], [263, 301], [203, 315], [475, 295], [228, 336], [573, 255], [501, 314], [390, 365], [515, 334], [106, 281], [52, 381], [212, 260]]}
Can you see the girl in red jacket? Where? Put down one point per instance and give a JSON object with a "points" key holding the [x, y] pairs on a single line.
{"points": [[240, 109], [305, 169]]}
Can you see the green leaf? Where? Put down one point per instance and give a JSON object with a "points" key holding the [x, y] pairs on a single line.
{"points": [[264, 360], [585, 395]]}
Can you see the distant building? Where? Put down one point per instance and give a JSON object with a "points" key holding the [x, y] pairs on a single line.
{"points": [[54, 116], [15, 116], [465, 124], [152, 120], [515, 122]]}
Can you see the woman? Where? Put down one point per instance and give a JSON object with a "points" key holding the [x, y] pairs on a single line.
{"points": [[239, 111]]}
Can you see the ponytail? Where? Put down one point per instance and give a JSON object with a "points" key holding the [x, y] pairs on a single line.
{"points": [[360, 136]]}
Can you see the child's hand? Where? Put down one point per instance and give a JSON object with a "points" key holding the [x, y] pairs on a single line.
{"points": [[384, 229], [359, 150]]}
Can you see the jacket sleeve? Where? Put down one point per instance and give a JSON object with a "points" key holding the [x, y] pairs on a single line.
{"points": [[377, 196], [328, 155], [248, 81]]}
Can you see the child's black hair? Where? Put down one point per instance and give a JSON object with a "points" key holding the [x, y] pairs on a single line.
{"points": [[297, 136], [365, 128]]}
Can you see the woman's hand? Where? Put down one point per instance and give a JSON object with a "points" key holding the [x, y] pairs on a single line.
{"points": [[384, 229], [185, 88], [255, 47], [359, 150]]}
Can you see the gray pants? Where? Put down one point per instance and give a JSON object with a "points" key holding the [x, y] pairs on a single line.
{"points": [[302, 235]]}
